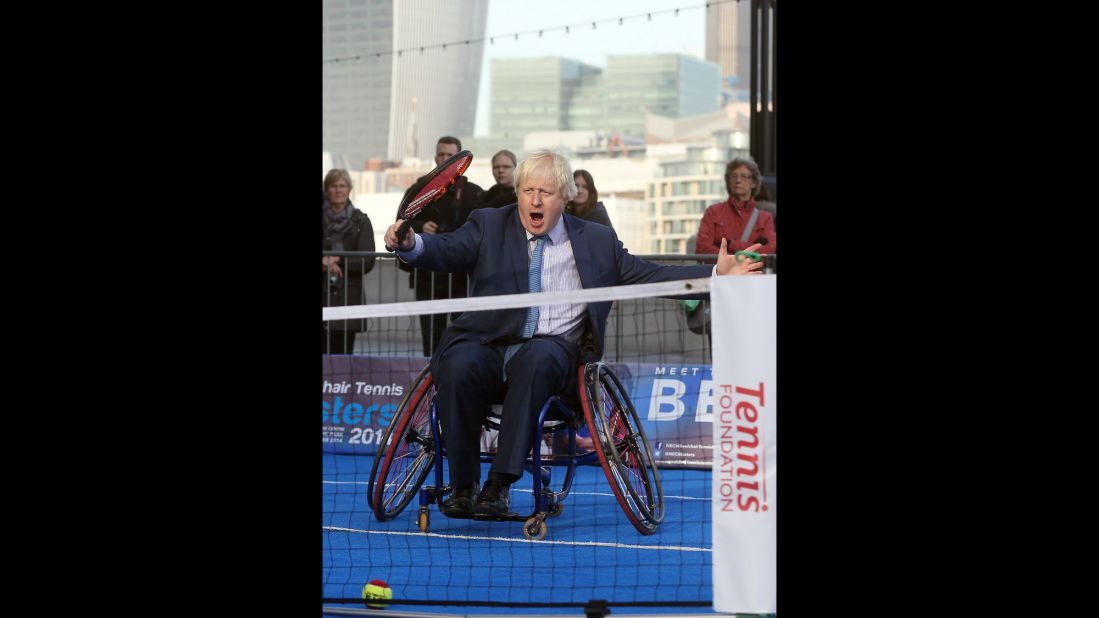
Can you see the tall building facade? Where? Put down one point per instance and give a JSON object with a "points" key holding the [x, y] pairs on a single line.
{"points": [[538, 94], [392, 106], [671, 85], [559, 94], [728, 43]]}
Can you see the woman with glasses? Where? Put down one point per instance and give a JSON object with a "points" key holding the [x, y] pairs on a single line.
{"points": [[738, 219], [503, 192]]}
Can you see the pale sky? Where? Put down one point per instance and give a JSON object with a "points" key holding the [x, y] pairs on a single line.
{"points": [[666, 33]]}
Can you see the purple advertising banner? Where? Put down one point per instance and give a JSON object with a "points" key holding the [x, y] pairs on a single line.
{"points": [[360, 395], [675, 404]]}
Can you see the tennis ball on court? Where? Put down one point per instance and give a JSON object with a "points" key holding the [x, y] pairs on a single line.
{"points": [[377, 589]]}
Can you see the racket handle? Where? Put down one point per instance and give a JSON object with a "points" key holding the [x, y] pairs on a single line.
{"points": [[402, 233]]}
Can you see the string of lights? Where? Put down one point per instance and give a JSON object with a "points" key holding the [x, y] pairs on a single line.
{"points": [[567, 29]]}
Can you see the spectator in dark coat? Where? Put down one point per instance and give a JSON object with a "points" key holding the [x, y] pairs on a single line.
{"points": [[503, 192], [445, 214], [343, 228]]}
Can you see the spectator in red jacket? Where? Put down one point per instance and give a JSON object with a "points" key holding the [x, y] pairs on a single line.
{"points": [[737, 219]]}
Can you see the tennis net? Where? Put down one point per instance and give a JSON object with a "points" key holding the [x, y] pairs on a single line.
{"points": [[634, 527]]}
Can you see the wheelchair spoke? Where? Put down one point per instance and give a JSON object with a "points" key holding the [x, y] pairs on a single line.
{"points": [[403, 487], [406, 454]]}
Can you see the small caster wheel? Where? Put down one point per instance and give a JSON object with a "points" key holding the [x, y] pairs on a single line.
{"points": [[555, 509], [423, 521], [534, 529]]}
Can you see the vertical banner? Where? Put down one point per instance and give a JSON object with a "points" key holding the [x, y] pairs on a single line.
{"points": [[744, 455]]}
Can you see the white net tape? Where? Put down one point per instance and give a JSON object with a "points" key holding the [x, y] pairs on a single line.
{"points": [[514, 301]]}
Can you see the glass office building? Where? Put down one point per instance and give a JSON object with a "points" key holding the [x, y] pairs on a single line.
{"points": [[559, 94], [541, 94], [671, 85]]}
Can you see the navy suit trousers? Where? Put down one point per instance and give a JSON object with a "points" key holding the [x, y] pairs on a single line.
{"points": [[468, 378]]}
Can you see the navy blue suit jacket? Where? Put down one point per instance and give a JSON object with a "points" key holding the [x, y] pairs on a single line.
{"points": [[492, 248]]}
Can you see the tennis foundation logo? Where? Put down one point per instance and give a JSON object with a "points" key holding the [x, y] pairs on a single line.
{"points": [[742, 480]]}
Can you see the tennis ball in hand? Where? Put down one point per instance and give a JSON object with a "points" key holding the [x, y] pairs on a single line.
{"points": [[377, 589]]}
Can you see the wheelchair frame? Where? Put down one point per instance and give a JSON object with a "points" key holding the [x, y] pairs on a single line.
{"points": [[413, 445]]}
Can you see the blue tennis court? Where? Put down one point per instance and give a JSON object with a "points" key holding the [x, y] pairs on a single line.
{"points": [[590, 552]]}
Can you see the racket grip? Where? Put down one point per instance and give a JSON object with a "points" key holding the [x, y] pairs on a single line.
{"points": [[402, 232]]}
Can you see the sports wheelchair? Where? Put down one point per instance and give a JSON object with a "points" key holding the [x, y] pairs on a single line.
{"points": [[413, 445]]}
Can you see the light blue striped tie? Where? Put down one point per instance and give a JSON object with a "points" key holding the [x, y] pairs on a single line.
{"points": [[534, 284]]}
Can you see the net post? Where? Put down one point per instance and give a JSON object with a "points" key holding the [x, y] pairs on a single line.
{"points": [[596, 608]]}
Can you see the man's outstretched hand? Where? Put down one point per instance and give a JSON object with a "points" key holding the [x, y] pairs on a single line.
{"points": [[728, 264]]}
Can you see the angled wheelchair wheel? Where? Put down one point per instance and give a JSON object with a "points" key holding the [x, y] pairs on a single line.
{"points": [[623, 450], [406, 453]]}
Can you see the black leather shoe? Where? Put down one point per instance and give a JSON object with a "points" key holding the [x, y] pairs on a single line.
{"points": [[460, 502], [493, 499]]}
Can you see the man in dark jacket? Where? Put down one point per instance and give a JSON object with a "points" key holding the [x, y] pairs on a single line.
{"points": [[445, 214]]}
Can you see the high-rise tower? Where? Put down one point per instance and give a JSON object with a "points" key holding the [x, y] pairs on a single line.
{"points": [[368, 101], [728, 44]]}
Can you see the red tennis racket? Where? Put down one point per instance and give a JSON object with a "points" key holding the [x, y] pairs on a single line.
{"points": [[430, 188]]}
